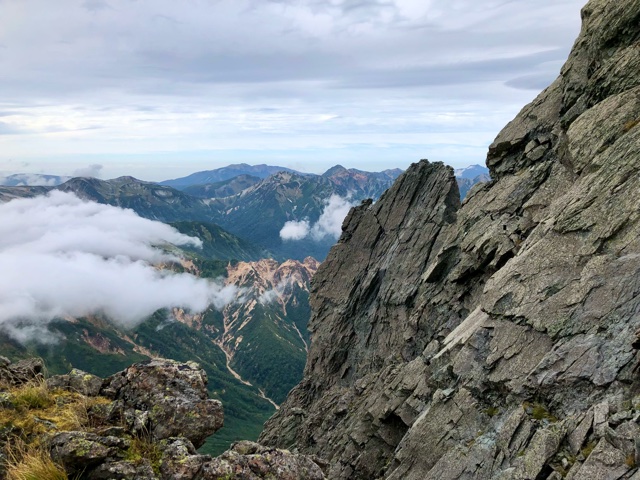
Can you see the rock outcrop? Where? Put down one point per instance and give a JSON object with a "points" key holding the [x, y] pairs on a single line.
{"points": [[499, 338], [142, 423]]}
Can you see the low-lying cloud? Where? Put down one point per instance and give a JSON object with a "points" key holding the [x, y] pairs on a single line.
{"points": [[64, 257], [32, 179], [295, 230], [328, 225]]}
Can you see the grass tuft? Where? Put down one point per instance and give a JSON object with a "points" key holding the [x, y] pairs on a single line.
{"points": [[539, 412], [32, 397], [142, 448], [31, 463], [492, 411], [586, 451], [37, 410]]}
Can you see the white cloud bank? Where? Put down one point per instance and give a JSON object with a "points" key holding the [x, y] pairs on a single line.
{"points": [[61, 256], [328, 225]]}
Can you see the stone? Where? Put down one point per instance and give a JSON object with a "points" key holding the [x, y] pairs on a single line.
{"points": [[605, 462], [123, 471], [578, 436], [80, 451], [77, 381], [166, 397], [21, 372], [180, 460], [250, 461]]}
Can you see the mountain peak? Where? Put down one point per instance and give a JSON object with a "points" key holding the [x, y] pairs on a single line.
{"points": [[128, 179], [471, 172], [334, 170]]}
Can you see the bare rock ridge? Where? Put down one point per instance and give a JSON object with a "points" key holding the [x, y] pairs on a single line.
{"points": [[496, 339]]}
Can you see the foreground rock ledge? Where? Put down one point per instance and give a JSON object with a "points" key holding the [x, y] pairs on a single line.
{"points": [[162, 405]]}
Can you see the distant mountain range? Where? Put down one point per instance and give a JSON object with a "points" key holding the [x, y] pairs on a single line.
{"points": [[224, 188], [250, 202], [261, 211], [252, 208], [469, 176], [32, 179], [225, 173], [472, 171]]}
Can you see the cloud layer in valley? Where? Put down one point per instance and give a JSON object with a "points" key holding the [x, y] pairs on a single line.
{"points": [[64, 257], [306, 83], [329, 225]]}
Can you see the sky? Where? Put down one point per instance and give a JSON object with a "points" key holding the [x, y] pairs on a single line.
{"points": [[159, 89]]}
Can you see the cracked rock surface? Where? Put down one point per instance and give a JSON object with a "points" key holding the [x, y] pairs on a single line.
{"points": [[497, 339]]}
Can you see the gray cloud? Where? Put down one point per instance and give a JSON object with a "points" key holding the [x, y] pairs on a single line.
{"points": [[63, 257], [88, 171], [460, 73], [96, 5], [176, 76], [122, 44]]}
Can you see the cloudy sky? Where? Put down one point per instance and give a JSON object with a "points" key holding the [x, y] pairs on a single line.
{"points": [[162, 88]]}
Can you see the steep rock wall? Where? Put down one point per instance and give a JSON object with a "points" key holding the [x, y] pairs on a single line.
{"points": [[496, 339]]}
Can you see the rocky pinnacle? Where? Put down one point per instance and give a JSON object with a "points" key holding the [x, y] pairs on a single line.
{"points": [[496, 339]]}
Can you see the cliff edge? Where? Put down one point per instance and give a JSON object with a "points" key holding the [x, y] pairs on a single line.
{"points": [[497, 338]]}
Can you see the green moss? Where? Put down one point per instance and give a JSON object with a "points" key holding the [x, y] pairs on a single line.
{"points": [[630, 461], [491, 411], [586, 451], [539, 412], [228, 476]]}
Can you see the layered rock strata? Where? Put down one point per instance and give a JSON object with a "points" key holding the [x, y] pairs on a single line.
{"points": [[496, 339]]}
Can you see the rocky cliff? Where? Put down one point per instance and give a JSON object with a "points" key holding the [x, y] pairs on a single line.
{"points": [[497, 338]]}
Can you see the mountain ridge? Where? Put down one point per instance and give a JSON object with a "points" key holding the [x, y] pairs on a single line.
{"points": [[225, 173], [494, 339]]}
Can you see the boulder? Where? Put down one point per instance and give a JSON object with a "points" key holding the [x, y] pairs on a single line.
{"points": [[173, 395], [77, 381]]}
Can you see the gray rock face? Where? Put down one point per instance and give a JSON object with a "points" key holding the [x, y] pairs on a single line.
{"points": [[167, 398], [250, 461], [80, 451], [497, 339], [16, 374], [77, 381]]}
